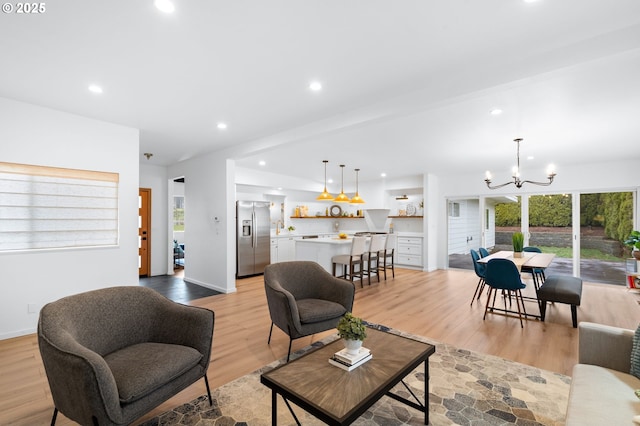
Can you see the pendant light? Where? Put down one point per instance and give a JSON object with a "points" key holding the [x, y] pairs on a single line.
{"points": [[356, 198], [325, 196], [342, 198]]}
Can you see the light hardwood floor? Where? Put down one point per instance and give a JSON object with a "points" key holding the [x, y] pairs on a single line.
{"points": [[431, 304]]}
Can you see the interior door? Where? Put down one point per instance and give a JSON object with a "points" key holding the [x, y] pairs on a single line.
{"points": [[144, 231]]}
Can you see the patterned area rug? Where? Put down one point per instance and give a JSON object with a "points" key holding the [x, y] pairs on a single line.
{"points": [[465, 388]]}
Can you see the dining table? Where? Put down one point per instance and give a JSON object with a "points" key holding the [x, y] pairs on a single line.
{"points": [[531, 260], [528, 259]]}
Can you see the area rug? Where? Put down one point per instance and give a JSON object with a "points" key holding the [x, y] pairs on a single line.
{"points": [[465, 388]]}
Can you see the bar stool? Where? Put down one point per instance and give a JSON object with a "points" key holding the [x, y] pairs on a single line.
{"points": [[389, 250], [355, 257], [373, 255]]}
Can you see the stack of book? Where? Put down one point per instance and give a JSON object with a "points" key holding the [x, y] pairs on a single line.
{"points": [[347, 361]]}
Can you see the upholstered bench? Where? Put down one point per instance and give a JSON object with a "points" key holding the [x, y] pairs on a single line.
{"points": [[561, 289]]}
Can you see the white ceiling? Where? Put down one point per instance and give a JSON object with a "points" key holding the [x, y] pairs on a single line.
{"points": [[407, 85]]}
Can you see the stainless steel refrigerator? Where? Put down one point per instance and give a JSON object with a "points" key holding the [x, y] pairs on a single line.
{"points": [[253, 250]]}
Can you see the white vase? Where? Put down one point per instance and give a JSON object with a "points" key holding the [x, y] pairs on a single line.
{"points": [[352, 346]]}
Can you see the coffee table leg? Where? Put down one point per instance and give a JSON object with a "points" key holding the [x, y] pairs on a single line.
{"points": [[274, 408], [426, 391]]}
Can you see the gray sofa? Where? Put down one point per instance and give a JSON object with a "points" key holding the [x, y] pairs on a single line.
{"points": [[111, 355], [602, 389]]}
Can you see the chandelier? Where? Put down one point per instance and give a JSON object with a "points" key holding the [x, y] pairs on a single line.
{"points": [[516, 174]]}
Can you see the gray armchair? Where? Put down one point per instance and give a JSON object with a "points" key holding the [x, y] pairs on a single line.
{"points": [[111, 355], [305, 299]]}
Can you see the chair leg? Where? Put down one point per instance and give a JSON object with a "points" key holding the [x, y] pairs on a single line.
{"points": [[384, 267], [206, 382], [270, 331], [393, 269], [486, 308], [55, 414], [480, 281], [289, 352], [518, 300]]}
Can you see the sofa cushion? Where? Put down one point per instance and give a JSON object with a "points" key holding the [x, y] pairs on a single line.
{"points": [[635, 353], [141, 369], [316, 310], [601, 396]]}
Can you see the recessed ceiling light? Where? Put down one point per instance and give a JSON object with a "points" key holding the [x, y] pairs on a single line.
{"points": [[496, 111], [530, 1], [531, 157], [165, 6], [94, 88], [262, 162], [383, 174], [315, 86], [222, 126]]}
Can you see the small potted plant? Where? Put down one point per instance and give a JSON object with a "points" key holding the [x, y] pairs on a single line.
{"points": [[352, 331], [518, 243], [634, 242]]}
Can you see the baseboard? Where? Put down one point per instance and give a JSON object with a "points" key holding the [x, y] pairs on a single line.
{"points": [[210, 286], [19, 333]]}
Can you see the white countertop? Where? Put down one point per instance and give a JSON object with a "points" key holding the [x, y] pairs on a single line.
{"points": [[335, 235], [334, 240]]}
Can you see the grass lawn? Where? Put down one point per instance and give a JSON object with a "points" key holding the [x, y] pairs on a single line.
{"points": [[584, 253]]}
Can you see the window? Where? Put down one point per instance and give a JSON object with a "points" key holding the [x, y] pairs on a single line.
{"points": [[178, 213], [454, 209], [48, 207]]}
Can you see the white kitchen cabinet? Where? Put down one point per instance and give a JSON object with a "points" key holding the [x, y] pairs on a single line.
{"points": [[286, 249], [283, 249], [409, 251]]}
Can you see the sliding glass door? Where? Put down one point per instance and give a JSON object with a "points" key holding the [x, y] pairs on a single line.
{"points": [[606, 219]]}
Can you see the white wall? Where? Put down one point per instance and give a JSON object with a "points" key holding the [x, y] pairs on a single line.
{"points": [[34, 135], [209, 220], [155, 178]]}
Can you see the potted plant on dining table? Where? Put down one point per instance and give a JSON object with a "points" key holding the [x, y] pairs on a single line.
{"points": [[518, 244]]}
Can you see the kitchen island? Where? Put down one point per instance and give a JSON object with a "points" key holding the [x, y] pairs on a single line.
{"points": [[321, 250]]}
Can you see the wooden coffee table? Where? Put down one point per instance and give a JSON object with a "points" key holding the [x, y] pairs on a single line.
{"points": [[338, 397]]}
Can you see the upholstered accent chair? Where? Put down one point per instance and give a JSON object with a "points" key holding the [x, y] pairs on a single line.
{"points": [[305, 299], [112, 355]]}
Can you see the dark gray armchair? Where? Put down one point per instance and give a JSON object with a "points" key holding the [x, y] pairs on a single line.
{"points": [[114, 354], [305, 299]]}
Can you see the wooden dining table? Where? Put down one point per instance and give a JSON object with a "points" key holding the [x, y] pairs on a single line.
{"points": [[529, 259]]}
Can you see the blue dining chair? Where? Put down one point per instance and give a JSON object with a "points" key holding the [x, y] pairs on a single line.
{"points": [[483, 252], [536, 273], [502, 274], [479, 268]]}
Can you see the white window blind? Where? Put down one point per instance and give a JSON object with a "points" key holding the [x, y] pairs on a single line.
{"points": [[48, 207]]}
